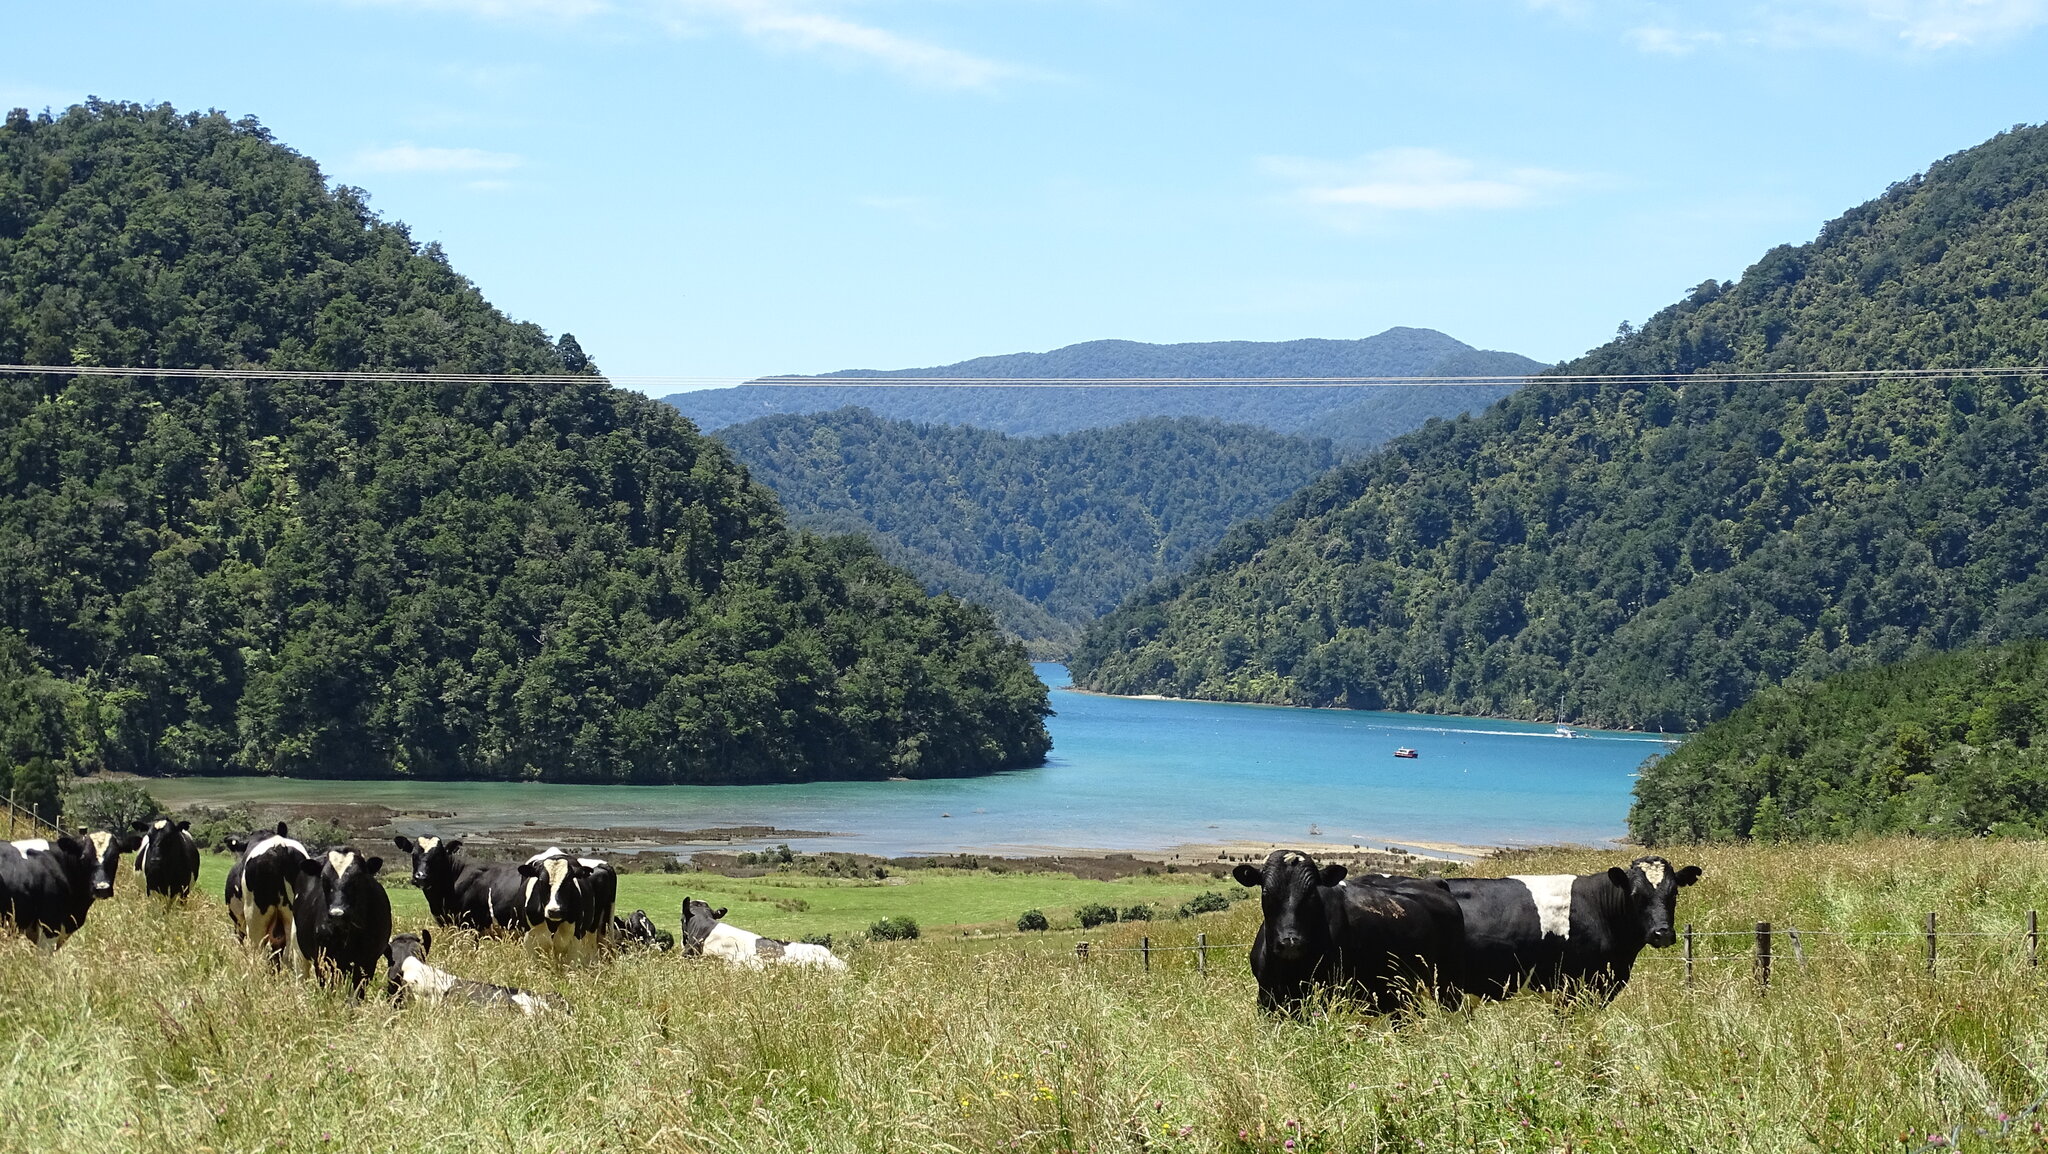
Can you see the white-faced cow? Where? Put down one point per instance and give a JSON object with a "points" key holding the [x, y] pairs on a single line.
{"points": [[556, 905], [106, 848], [260, 890], [1574, 932], [408, 976], [1386, 941], [704, 935], [342, 918], [597, 894], [167, 857], [46, 887]]}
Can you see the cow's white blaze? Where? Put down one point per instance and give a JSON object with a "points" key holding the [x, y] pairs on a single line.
{"points": [[100, 841], [426, 844], [1653, 870], [1552, 894], [557, 872]]}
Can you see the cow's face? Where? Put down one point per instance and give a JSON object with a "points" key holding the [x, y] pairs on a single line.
{"points": [[341, 877], [1290, 886], [1652, 886], [554, 890], [104, 848], [699, 919], [432, 858]]}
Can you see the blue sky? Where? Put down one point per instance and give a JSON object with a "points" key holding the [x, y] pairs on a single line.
{"points": [[738, 187]]}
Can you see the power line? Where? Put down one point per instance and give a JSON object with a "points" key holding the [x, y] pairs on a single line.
{"points": [[646, 382]]}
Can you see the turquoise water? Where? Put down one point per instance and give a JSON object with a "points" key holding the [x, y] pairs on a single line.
{"points": [[1124, 774]]}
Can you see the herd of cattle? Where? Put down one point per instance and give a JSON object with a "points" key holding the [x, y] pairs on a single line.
{"points": [[1388, 939], [326, 915], [1381, 938]]}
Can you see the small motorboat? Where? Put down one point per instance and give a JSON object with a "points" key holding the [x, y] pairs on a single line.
{"points": [[1568, 731], [1404, 751]]}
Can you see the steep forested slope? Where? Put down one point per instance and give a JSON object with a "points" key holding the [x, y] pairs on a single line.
{"points": [[397, 577], [1939, 745], [1069, 524], [1355, 418], [1651, 554]]}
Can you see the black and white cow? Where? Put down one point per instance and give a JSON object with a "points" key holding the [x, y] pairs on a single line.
{"points": [[639, 932], [342, 917], [46, 887], [556, 904], [167, 857], [705, 935], [484, 898], [598, 896], [106, 849], [1574, 932], [1383, 940], [408, 976], [260, 890]]}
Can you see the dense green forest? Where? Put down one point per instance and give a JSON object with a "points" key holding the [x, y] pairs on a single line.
{"points": [[1651, 554], [362, 579], [1938, 745], [1355, 418], [1067, 524]]}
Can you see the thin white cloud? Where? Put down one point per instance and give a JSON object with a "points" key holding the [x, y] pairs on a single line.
{"points": [[1663, 27], [1670, 41], [787, 27], [417, 158], [1411, 180]]}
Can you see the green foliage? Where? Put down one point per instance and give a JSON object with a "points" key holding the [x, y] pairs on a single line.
{"points": [[1651, 554], [38, 789], [1068, 525], [897, 928], [1355, 417], [109, 804], [1939, 746], [1095, 914], [369, 579], [1137, 913], [1032, 921], [1206, 902]]}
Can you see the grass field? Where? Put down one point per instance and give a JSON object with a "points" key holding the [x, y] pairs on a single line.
{"points": [[152, 1031]]}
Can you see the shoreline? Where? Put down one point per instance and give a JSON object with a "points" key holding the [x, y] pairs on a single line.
{"points": [[1663, 736]]}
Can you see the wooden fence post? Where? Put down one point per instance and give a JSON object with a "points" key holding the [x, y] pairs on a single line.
{"points": [[1202, 953], [1930, 942], [1688, 953], [1081, 950], [2033, 939], [1763, 956], [1145, 952], [1798, 949]]}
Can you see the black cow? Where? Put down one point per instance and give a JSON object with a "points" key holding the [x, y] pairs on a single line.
{"points": [[640, 933], [474, 897], [46, 887], [167, 857], [261, 888], [407, 975], [1383, 940], [106, 848], [556, 904], [1579, 933], [342, 917]]}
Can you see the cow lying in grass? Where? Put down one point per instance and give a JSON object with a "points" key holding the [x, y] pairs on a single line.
{"points": [[410, 977], [640, 933], [705, 935]]}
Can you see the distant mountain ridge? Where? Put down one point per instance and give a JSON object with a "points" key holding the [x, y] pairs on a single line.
{"points": [[1353, 417]]}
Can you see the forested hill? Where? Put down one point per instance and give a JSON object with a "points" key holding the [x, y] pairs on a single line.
{"points": [[1049, 532], [370, 579], [1651, 554], [1354, 417], [1939, 745]]}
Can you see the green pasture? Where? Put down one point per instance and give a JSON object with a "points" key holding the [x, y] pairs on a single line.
{"points": [[153, 1030]]}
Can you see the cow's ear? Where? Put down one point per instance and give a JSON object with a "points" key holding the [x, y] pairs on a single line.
{"points": [[185, 826], [282, 831], [372, 864], [1618, 876], [128, 843], [1688, 875], [402, 842], [452, 846], [311, 866], [1332, 874], [718, 913], [68, 844], [426, 941], [529, 869], [139, 826], [235, 844], [1248, 875]]}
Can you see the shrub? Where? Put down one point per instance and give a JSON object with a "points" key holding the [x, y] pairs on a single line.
{"points": [[1137, 913], [322, 832], [824, 940], [1033, 920], [901, 928], [1206, 902], [109, 805], [35, 789], [212, 827], [1095, 914]]}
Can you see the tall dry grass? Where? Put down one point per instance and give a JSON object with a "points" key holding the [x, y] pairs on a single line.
{"points": [[152, 1031]]}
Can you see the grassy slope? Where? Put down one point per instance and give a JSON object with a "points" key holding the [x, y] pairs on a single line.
{"points": [[150, 1031]]}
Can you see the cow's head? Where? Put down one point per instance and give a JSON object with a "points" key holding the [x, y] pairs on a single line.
{"points": [[554, 890], [341, 877], [1651, 884], [104, 848], [433, 858], [699, 919], [1290, 885]]}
